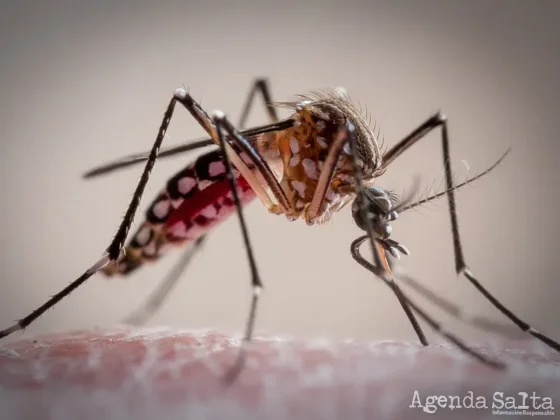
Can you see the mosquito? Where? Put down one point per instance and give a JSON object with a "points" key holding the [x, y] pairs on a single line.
{"points": [[307, 166]]}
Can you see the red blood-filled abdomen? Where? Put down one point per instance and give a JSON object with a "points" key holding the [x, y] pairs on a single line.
{"points": [[195, 199], [206, 209]]}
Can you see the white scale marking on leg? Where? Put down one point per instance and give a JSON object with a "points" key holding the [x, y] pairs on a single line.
{"points": [[180, 93], [320, 125], [218, 114], [257, 291], [322, 142], [99, 265]]}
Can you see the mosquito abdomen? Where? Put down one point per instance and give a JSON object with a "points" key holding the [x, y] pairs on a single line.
{"points": [[195, 200]]}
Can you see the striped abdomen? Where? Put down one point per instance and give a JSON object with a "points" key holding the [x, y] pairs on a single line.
{"points": [[194, 200]]}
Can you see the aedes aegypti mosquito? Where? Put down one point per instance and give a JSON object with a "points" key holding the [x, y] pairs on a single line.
{"points": [[307, 166]]}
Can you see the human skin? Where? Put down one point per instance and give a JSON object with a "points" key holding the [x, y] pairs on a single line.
{"points": [[147, 373]]}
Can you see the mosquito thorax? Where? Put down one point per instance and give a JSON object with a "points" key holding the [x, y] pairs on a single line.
{"points": [[376, 204], [302, 152]]}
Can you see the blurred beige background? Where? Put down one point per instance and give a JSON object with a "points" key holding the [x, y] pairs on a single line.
{"points": [[82, 83]]}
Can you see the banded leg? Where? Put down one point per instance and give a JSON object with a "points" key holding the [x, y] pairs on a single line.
{"points": [[347, 132], [439, 120], [157, 298], [437, 327], [222, 124], [260, 85], [114, 249], [259, 180]]}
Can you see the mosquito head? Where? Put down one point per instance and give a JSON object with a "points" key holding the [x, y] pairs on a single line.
{"points": [[379, 208]]}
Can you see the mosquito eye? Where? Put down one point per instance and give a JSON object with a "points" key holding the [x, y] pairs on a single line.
{"points": [[384, 204], [379, 199]]}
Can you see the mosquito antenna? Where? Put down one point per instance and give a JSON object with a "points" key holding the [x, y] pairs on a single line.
{"points": [[131, 160], [403, 206]]}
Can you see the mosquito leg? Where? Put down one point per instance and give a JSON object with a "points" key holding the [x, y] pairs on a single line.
{"points": [[436, 326], [400, 296], [327, 173], [131, 160], [259, 85], [378, 252], [257, 181], [455, 311], [240, 140], [325, 178], [222, 124], [160, 294], [262, 86], [115, 248], [439, 120], [243, 146], [26, 321]]}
